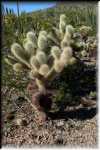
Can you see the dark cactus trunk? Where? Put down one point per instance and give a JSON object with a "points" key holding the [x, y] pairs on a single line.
{"points": [[41, 101]]}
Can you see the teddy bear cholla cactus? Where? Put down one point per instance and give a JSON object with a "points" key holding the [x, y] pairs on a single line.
{"points": [[41, 65]]}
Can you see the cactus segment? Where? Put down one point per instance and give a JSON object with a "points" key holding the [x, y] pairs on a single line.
{"points": [[44, 69], [34, 63], [18, 67], [42, 42], [67, 52], [72, 61], [43, 33], [30, 48], [20, 54], [66, 55], [62, 24], [70, 30], [41, 57], [58, 66], [33, 74], [31, 36], [9, 61], [41, 85], [55, 52], [67, 40], [12, 58]]}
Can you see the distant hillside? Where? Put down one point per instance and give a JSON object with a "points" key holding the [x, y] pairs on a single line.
{"points": [[77, 13]]}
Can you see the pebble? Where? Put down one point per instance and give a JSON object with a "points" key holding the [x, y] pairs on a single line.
{"points": [[21, 122], [60, 123]]}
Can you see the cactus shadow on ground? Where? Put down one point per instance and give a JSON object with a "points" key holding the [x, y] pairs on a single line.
{"points": [[79, 114], [79, 82]]}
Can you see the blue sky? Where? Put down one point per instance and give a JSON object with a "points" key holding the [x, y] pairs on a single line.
{"points": [[28, 6]]}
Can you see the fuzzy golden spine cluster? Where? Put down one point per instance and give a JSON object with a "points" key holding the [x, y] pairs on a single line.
{"points": [[33, 57]]}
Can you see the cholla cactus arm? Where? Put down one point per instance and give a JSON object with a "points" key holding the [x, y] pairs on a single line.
{"points": [[44, 69], [72, 61], [33, 74], [30, 48], [60, 60], [67, 40], [20, 54], [42, 40], [12, 58], [18, 67], [43, 32], [31, 36], [66, 55], [70, 30], [41, 86], [51, 74], [55, 52], [58, 66], [9, 61], [41, 57], [62, 24], [34, 63]]}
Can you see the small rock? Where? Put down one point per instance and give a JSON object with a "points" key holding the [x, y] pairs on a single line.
{"points": [[59, 141], [60, 123], [59, 132], [18, 121], [21, 122]]}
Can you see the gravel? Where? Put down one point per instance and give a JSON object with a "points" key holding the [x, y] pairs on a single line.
{"points": [[68, 131], [53, 132]]}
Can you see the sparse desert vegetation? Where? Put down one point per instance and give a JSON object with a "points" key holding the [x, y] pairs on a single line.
{"points": [[49, 65]]}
